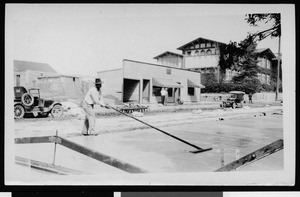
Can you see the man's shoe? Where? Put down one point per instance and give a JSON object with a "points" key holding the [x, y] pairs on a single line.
{"points": [[85, 134]]}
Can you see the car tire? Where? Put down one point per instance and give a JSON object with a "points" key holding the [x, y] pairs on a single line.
{"points": [[27, 99], [56, 111], [19, 111]]}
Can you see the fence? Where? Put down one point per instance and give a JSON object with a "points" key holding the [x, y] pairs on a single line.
{"points": [[259, 97]]}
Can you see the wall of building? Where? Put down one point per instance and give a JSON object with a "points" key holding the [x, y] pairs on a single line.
{"points": [[171, 60], [61, 87], [29, 78], [22, 77], [71, 86], [139, 71], [112, 87], [201, 61]]}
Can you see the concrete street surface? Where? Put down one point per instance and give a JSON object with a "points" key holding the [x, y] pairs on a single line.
{"points": [[230, 133]]}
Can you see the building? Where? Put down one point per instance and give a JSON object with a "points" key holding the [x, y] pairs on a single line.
{"points": [[170, 59], [203, 55], [26, 73], [141, 82], [266, 62], [198, 55]]}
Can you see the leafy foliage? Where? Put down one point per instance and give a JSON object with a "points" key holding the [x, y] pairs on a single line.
{"points": [[208, 78], [274, 31], [249, 85], [248, 60]]}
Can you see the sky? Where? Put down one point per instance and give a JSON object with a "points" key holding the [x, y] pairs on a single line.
{"points": [[86, 38]]}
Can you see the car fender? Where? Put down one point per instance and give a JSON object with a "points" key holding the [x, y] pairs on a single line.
{"points": [[54, 103]]}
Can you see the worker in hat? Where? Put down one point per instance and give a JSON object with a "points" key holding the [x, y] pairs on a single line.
{"points": [[93, 97]]}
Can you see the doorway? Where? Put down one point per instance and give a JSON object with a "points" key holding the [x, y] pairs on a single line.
{"points": [[146, 91], [131, 90], [170, 95]]}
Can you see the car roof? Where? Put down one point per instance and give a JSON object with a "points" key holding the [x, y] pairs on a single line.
{"points": [[237, 92]]}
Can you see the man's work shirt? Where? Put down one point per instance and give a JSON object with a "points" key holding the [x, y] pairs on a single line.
{"points": [[94, 96], [163, 92]]}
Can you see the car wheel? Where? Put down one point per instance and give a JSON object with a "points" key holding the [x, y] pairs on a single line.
{"points": [[27, 99], [57, 111], [19, 111]]}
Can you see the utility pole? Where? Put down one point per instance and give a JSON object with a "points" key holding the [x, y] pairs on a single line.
{"points": [[278, 69]]}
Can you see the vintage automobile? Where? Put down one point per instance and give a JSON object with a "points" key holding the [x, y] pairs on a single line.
{"points": [[235, 100], [30, 102]]}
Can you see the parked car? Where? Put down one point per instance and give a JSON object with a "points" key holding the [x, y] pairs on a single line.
{"points": [[31, 102], [235, 100]]}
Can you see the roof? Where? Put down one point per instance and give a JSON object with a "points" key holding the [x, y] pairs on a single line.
{"points": [[265, 51], [200, 39], [168, 53], [237, 92], [194, 85], [27, 65], [57, 76]]}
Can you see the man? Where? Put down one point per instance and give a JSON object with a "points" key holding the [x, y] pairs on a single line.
{"points": [[250, 97], [164, 94], [92, 97]]}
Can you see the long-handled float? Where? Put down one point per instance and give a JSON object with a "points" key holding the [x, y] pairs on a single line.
{"points": [[199, 150]]}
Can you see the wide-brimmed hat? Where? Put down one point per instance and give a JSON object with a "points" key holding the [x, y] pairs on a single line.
{"points": [[98, 81]]}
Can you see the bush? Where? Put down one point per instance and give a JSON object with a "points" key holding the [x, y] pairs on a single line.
{"points": [[248, 85]]}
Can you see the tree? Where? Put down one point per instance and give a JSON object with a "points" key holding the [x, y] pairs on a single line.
{"points": [[208, 78], [247, 64], [274, 31]]}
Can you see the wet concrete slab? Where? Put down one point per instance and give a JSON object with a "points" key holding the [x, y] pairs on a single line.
{"points": [[156, 152]]}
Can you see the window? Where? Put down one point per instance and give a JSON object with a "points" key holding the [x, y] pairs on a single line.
{"points": [[263, 78], [197, 46], [156, 91], [217, 52], [202, 45], [188, 52], [18, 80], [197, 52], [268, 79], [208, 52], [191, 91], [259, 63], [202, 52], [268, 64], [208, 45], [169, 71]]}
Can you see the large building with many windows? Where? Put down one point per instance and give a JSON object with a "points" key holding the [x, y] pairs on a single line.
{"points": [[203, 55]]}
